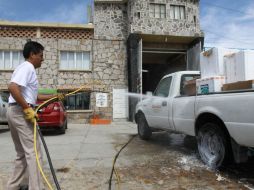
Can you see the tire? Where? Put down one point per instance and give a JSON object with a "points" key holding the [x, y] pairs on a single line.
{"points": [[66, 124], [144, 130], [213, 146], [63, 128]]}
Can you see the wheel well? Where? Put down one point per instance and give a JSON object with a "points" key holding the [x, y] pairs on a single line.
{"points": [[208, 117]]}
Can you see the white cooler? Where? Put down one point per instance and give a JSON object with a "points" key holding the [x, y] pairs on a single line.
{"points": [[209, 85]]}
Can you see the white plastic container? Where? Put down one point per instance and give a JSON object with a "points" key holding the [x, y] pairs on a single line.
{"points": [[211, 61], [244, 65], [210, 85]]}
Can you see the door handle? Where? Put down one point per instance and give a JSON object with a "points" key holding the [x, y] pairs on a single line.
{"points": [[164, 103]]}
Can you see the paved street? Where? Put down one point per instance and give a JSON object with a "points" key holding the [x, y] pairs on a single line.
{"points": [[83, 159]]}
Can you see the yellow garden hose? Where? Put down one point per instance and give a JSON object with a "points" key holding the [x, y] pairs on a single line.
{"points": [[36, 151], [35, 134]]}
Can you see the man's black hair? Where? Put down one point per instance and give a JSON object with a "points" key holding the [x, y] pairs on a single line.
{"points": [[32, 47]]}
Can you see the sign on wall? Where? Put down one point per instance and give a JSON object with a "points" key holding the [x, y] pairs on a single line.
{"points": [[120, 104], [102, 100]]}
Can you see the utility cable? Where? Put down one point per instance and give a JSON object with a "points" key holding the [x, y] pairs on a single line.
{"points": [[114, 162]]}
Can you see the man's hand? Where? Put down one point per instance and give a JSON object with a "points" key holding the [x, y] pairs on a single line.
{"points": [[60, 97], [30, 114]]}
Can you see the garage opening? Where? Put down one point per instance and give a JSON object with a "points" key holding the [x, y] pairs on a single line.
{"points": [[157, 63], [150, 57]]}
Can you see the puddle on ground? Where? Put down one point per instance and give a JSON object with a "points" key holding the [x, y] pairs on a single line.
{"points": [[171, 161]]}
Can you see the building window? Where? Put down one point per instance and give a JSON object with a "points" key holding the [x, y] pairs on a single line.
{"points": [[70, 60], [9, 60], [157, 10], [177, 12], [79, 101]]}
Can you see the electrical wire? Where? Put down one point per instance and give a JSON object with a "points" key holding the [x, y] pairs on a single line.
{"points": [[114, 162]]}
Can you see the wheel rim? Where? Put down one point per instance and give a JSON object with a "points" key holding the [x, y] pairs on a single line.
{"points": [[211, 148]]}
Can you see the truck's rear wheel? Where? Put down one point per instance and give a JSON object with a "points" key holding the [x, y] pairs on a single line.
{"points": [[144, 130], [213, 146]]}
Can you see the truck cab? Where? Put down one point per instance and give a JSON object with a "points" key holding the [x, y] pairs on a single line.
{"points": [[158, 107]]}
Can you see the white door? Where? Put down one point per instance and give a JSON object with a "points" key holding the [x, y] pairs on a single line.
{"points": [[120, 104], [161, 104]]}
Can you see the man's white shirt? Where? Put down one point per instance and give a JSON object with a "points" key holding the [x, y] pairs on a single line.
{"points": [[25, 76]]}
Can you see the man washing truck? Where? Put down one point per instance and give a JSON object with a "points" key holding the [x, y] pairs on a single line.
{"points": [[222, 122], [23, 89]]}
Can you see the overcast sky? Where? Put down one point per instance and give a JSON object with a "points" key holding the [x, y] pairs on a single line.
{"points": [[226, 23]]}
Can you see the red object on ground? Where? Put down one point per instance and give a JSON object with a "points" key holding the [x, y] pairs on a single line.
{"points": [[100, 121], [53, 116]]}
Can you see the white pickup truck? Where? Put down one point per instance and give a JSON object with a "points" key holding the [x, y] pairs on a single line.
{"points": [[223, 122]]}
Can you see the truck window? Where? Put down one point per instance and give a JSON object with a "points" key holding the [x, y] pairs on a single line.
{"points": [[185, 79], [163, 87]]}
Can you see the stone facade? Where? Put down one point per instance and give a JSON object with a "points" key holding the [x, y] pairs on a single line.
{"points": [[141, 22], [110, 21], [107, 57], [121, 18], [110, 70]]}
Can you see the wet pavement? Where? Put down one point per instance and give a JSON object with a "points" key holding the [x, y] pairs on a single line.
{"points": [[83, 159]]}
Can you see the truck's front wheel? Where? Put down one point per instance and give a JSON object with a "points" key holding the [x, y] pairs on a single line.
{"points": [[212, 145], [144, 131]]}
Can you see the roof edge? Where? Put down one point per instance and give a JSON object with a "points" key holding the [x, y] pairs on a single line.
{"points": [[110, 1], [89, 26]]}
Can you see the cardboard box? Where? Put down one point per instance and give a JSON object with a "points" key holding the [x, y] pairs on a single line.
{"points": [[210, 85], [189, 88], [240, 85]]}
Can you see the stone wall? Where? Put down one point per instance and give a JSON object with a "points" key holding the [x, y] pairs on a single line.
{"points": [[110, 53], [110, 21], [108, 69], [49, 75], [141, 22]]}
